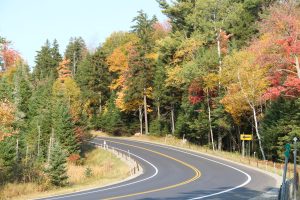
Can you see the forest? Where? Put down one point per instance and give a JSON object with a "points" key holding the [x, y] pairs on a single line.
{"points": [[215, 70]]}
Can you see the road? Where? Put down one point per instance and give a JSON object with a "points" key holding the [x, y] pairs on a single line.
{"points": [[175, 174]]}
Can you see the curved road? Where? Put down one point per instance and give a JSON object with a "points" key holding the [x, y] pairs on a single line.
{"points": [[176, 174]]}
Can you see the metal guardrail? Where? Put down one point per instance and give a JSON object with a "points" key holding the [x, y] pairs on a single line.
{"points": [[122, 154]]}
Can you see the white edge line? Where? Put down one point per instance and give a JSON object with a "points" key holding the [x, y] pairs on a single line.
{"points": [[186, 152], [110, 188]]}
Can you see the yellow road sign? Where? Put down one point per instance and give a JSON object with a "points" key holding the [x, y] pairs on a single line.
{"points": [[246, 137]]}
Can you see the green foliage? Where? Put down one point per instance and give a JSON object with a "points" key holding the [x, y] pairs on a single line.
{"points": [[47, 60], [57, 170], [75, 52], [93, 79], [143, 28], [64, 128], [281, 125], [88, 172], [111, 120], [8, 159]]}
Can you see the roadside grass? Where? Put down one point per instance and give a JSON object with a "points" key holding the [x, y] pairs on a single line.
{"points": [[104, 168], [269, 166]]}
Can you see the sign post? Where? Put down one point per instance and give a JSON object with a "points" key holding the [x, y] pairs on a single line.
{"points": [[286, 155], [245, 137], [295, 168]]}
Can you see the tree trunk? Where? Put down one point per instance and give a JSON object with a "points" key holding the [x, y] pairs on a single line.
{"points": [[158, 111], [74, 65], [209, 121], [257, 132], [219, 50], [220, 141], [39, 140], [17, 149], [172, 120], [141, 119], [100, 102], [297, 66], [51, 142], [145, 112]]}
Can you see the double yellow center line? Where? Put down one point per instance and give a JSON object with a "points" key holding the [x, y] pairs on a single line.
{"points": [[196, 176]]}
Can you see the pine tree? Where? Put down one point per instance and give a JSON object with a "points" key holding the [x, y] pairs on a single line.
{"points": [[111, 119], [57, 58], [93, 78], [57, 170], [64, 128], [75, 52]]}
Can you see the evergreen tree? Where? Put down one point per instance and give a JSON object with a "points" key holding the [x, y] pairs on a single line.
{"points": [[93, 78], [75, 52], [64, 128], [47, 60], [111, 119], [57, 58], [143, 28], [57, 170]]}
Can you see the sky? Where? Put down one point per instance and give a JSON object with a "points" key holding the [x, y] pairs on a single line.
{"points": [[28, 23]]}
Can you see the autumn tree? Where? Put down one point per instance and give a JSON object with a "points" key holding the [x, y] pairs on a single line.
{"points": [[246, 83], [66, 89]]}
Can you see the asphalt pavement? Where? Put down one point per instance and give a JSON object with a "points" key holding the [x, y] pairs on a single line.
{"points": [[171, 173]]}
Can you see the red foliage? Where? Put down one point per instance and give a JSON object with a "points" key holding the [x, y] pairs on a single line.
{"points": [[278, 49], [74, 158], [80, 134], [9, 55], [196, 93], [292, 85]]}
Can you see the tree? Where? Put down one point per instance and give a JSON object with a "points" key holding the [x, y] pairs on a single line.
{"points": [[144, 29], [46, 61], [117, 39], [278, 50], [8, 55], [246, 83], [57, 170], [111, 119], [75, 52], [7, 112], [66, 89], [64, 128], [57, 58], [93, 78]]}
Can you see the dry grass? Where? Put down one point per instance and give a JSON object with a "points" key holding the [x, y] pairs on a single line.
{"points": [[106, 168]]}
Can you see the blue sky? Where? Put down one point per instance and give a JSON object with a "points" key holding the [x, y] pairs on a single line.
{"points": [[28, 23]]}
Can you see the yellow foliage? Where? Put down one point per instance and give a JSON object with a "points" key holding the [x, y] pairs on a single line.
{"points": [[172, 76], [235, 103], [153, 56], [211, 80], [245, 82], [187, 50], [69, 92], [127, 106], [9, 74]]}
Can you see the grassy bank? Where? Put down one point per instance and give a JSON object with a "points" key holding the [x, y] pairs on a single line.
{"points": [[98, 168]]}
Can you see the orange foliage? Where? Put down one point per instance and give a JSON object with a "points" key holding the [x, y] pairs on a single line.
{"points": [[63, 70], [7, 113]]}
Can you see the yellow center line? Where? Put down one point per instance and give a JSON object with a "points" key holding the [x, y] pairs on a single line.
{"points": [[196, 176]]}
